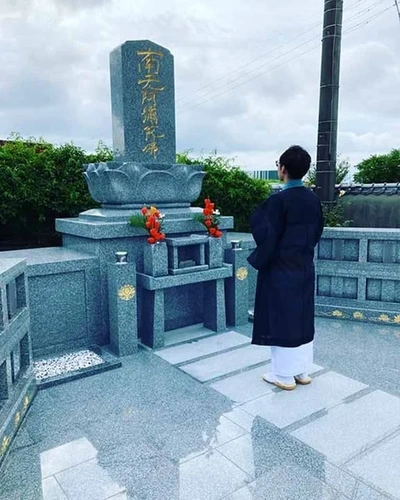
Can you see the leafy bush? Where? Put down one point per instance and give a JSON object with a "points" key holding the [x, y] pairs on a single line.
{"points": [[232, 190], [379, 168], [342, 171], [40, 182]]}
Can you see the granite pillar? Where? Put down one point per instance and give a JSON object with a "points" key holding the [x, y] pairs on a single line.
{"points": [[214, 305], [122, 308], [237, 287]]}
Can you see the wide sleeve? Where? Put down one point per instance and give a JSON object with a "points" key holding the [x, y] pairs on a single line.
{"points": [[266, 224]]}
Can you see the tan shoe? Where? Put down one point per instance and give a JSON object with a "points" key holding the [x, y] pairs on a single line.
{"points": [[303, 380], [269, 378]]}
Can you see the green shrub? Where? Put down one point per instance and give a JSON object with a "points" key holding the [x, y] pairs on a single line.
{"points": [[379, 168], [40, 182], [232, 190]]}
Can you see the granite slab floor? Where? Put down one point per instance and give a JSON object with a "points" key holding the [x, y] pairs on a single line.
{"points": [[196, 422]]}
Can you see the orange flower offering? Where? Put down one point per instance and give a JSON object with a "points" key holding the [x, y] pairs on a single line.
{"points": [[211, 219], [151, 220]]}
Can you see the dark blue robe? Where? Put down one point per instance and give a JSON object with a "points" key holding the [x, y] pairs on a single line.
{"points": [[286, 228]]}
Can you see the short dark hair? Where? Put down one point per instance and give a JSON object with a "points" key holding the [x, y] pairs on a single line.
{"points": [[297, 162]]}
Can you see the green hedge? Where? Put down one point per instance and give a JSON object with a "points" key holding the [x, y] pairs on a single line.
{"points": [[379, 168], [232, 190], [40, 182]]}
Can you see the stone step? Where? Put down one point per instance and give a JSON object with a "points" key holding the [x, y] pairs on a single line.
{"points": [[206, 347], [248, 385], [228, 363]]}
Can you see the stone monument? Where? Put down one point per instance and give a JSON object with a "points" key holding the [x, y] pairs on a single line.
{"points": [[190, 289], [144, 170]]}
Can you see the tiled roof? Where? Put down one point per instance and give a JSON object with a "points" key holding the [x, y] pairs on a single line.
{"points": [[362, 189]]}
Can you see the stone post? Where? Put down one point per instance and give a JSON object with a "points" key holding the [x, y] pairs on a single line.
{"points": [[237, 286], [122, 308]]}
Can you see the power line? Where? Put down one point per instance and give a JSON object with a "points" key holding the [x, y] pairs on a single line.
{"points": [[397, 7], [187, 99], [200, 99], [212, 97], [367, 21], [248, 64], [256, 69]]}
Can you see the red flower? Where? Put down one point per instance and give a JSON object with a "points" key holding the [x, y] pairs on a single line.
{"points": [[212, 230], [208, 223], [218, 234], [144, 210], [151, 241]]}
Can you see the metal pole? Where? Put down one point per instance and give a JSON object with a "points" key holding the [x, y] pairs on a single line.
{"points": [[329, 101]]}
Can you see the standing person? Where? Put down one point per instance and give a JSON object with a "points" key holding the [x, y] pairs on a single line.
{"points": [[286, 228]]}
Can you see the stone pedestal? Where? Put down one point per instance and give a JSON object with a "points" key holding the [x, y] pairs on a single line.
{"points": [[156, 259], [237, 287], [214, 252], [122, 308], [100, 234]]}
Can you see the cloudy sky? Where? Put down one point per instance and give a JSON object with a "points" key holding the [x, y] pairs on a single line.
{"points": [[247, 73]]}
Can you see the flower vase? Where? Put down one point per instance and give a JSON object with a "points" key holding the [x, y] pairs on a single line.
{"points": [[214, 252], [155, 260]]}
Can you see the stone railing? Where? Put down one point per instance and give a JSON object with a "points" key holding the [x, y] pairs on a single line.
{"points": [[17, 384], [358, 274]]}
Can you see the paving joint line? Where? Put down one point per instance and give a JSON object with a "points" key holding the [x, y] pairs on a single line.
{"points": [[211, 355]]}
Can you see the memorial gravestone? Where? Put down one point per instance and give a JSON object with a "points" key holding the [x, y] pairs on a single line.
{"points": [[144, 172]]}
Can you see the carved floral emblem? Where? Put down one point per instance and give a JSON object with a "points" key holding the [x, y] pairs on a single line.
{"points": [[242, 273], [126, 292]]}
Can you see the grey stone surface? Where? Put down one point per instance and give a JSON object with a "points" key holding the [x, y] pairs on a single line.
{"points": [[189, 333], [17, 386], [266, 448], [99, 230], [381, 467], [212, 477], [153, 328], [52, 490], [214, 252], [64, 457], [287, 483], [155, 260], [283, 408], [151, 283], [143, 112], [143, 102], [249, 385], [63, 297], [88, 481], [351, 428], [222, 364], [123, 308], [214, 305], [149, 420], [199, 348], [237, 287]]}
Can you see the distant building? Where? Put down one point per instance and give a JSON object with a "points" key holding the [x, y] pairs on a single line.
{"points": [[266, 175]]}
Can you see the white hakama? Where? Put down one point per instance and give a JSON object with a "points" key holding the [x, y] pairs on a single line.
{"points": [[292, 361]]}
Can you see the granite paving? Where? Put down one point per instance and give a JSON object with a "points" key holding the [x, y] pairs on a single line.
{"points": [[161, 430]]}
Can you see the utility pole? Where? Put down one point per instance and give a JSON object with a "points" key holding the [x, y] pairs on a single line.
{"points": [[329, 101]]}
